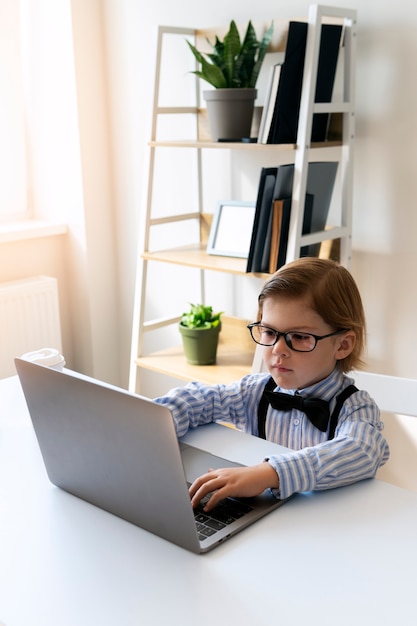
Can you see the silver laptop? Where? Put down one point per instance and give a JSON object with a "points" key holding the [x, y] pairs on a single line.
{"points": [[120, 452]]}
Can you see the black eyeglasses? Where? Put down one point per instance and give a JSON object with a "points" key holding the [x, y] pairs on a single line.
{"points": [[295, 340]]}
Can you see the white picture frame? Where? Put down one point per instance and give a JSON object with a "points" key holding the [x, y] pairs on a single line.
{"points": [[231, 229]]}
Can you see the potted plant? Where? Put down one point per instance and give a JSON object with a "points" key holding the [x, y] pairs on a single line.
{"points": [[232, 68], [200, 328]]}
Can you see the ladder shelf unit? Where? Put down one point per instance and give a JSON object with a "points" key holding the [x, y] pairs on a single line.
{"points": [[236, 355]]}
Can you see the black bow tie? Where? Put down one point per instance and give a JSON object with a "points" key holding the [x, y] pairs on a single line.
{"points": [[316, 410]]}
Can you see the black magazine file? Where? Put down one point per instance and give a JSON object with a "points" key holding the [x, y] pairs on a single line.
{"points": [[284, 125]]}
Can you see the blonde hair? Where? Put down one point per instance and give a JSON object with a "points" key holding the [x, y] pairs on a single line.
{"points": [[333, 294]]}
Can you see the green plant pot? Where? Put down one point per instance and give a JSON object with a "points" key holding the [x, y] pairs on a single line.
{"points": [[230, 112], [200, 344]]}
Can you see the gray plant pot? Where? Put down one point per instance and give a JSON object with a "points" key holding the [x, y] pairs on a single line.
{"points": [[230, 112]]}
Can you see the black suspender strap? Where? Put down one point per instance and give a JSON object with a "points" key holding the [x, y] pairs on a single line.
{"points": [[270, 386], [263, 408], [343, 395]]}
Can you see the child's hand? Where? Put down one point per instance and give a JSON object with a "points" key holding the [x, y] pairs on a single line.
{"points": [[243, 482]]}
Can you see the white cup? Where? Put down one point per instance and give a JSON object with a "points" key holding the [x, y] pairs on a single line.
{"points": [[46, 356]]}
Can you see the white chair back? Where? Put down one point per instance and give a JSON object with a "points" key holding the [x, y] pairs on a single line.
{"points": [[397, 399], [391, 393]]}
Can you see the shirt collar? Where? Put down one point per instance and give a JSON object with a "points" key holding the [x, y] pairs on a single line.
{"points": [[325, 389]]}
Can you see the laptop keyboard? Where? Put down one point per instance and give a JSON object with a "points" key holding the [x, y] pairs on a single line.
{"points": [[225, 513]]}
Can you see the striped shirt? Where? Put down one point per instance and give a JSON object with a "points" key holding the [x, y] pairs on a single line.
{"points": [[356, 452]]}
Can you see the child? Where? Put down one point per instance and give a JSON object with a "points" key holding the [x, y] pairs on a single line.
{"points": [[311, 325]]}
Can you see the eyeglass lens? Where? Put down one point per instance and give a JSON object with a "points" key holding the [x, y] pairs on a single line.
{"points": [[302, 342]]}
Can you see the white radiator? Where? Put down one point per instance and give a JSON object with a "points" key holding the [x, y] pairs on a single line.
{"points": [[29, 319]]}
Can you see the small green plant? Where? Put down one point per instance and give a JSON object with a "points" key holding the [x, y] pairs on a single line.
{"points": [[200, 316], [234, 63]]}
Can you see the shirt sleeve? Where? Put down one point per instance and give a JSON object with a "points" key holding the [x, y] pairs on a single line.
{"points": [[196, 404], [356, 452]]}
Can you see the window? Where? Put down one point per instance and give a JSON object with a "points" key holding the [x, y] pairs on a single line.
{"points": [[13, 163]]}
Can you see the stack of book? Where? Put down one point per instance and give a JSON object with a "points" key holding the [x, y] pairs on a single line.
{"points": [[268, 246], [279, 121]]}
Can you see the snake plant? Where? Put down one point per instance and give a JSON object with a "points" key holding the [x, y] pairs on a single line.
{"points": [[233, 63]]}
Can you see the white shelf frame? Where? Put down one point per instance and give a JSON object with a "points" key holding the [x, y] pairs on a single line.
{"points": [[316, 17], [302, 150]]}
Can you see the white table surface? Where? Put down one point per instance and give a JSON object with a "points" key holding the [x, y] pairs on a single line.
{"points": [[342, 557]]}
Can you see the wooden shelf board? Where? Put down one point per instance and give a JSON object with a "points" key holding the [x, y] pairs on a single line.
{"points": [[235, 145], [232, 364], [195, 255], [234, 357]]}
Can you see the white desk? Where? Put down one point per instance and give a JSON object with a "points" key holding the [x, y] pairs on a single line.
{"points": [[344, 557]]}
